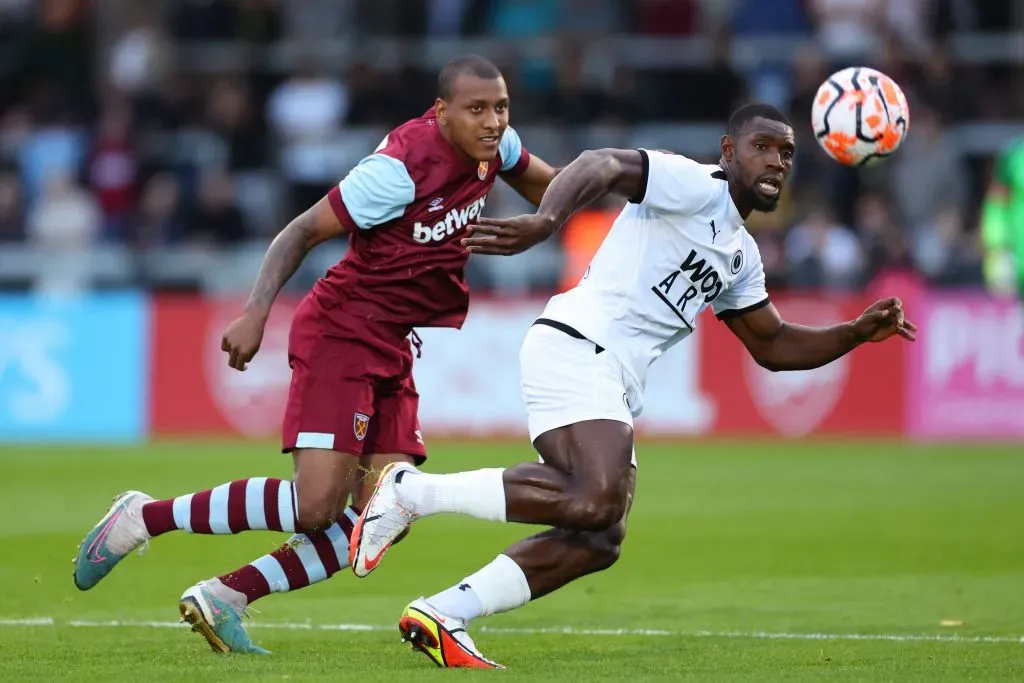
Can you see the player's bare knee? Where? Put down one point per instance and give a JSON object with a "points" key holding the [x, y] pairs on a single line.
{"points": [[597, 510], [604, 547]]}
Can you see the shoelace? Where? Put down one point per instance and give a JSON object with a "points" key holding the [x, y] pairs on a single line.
{"points": [[396, 517]]}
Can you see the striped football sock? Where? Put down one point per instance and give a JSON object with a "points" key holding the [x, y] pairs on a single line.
{"points": [[260, 503], [304, 560]]}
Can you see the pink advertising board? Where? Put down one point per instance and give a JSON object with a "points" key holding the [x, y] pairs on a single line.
{"points": [[966, 377]]}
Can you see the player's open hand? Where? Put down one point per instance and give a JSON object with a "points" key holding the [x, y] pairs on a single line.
{"points": [[242, 339], [884, 319], [507, 236]]}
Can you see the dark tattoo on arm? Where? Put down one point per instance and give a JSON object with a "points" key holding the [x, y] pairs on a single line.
{"points": [[283, 258]]}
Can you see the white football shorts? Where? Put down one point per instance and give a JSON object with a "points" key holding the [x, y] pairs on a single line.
{"points": [[565, 380]]}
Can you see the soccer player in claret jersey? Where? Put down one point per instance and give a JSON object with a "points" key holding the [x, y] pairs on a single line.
{"points": [[677, 247], [352, 404]]}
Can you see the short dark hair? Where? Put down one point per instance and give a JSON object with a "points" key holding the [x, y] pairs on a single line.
{"points": [[472, 65], [756, 110]]}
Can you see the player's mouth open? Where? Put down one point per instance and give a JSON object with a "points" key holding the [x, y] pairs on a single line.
{"points": [[769, 186], [490, 139]]}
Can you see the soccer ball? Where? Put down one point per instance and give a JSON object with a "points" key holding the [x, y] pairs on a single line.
{"points": [[859, 116]]}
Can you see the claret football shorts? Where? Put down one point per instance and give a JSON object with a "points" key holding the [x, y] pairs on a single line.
{"points": [[352, 388]]}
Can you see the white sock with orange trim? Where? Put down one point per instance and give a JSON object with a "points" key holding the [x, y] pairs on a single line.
{"points": [[480, 493], [500, 586]]}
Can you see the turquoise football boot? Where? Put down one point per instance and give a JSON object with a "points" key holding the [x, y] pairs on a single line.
{"points": [[121, 531], [215, 611]]}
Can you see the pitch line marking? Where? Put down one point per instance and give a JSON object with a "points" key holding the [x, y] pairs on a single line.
{"points": [[557, 630]]}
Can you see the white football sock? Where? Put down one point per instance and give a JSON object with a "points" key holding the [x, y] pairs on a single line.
{"points": [[499, 587], [480, 493], [459, 601]]}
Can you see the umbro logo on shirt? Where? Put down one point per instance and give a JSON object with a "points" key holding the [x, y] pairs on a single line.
{"points": [[436, 205]]}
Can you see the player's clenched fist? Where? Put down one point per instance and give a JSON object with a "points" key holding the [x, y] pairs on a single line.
{"points": [[882, 320], [242, 339]]}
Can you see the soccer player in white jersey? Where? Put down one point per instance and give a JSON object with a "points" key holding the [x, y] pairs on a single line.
{"points": [[678, 247]]}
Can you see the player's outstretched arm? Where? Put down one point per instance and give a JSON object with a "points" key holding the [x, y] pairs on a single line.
{"points": [[532, 183], [778, 345], [594, 174], [319, 223]]}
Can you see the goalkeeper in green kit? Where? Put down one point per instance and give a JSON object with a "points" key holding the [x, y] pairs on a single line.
{"points": [[1002, 225]]}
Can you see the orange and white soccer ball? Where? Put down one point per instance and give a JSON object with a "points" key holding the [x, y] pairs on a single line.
{"points": [[860, 116]]}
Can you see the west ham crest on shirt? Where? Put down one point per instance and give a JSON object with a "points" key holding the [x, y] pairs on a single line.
{"points": [[481, 170], [360, 423]]}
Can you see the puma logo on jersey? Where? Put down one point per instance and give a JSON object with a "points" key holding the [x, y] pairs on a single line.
{"points": [[703, 279], [714, 233], [454, 220]]}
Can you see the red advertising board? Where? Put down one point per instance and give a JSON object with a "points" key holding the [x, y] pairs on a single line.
{"points": [[861, 394], [469, 379], [194, 392]]}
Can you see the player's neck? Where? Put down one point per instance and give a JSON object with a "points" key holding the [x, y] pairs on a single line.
{"points": [[443, 131], [734, 191]]}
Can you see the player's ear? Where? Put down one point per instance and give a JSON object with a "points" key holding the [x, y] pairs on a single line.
{"points": [[441, 110], [727, 147]]}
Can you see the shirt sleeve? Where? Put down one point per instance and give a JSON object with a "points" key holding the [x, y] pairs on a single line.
{"points": [[376, 191], [748, 292], [672, 183], [514, 157]]}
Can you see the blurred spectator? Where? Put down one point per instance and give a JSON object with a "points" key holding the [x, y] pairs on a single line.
{"points": [[848, 29], [141, 58], [908, 21], [216, 219], [719, 88], [927, 172], [63, 225], [12, 210], [370, 100], [306, 113], [942, 251], [591, 19], [230, 114], [259, 22], [160, 214], [622, 103], [446, 18], [52, 147], [757, 17], [522, 20], [943, 91], [665, 17], [811, 164], [66, 216], [884, 243], [112, 168], [575, 101], [203, 19], [311, 21], [58, 57], [823, 253], [392, 17], [14, 17]]}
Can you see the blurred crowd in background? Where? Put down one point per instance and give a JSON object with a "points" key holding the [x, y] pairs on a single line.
{"points": [[162, 143]]}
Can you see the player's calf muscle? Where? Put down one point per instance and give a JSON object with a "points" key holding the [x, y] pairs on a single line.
{"points": [[323, 481]]}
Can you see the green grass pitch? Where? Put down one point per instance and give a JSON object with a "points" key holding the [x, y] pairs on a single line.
{"points": [[744, 561]]}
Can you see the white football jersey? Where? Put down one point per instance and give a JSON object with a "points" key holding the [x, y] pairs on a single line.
{"points": [[677, 248]]}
